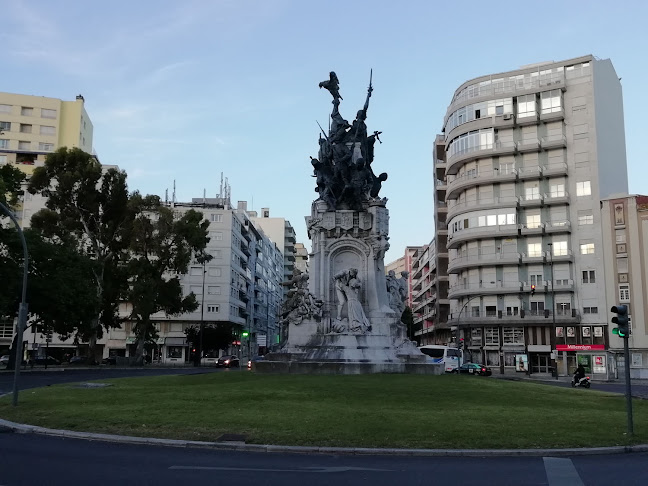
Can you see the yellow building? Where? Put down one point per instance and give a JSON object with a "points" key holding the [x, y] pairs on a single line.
{"points": [[32, 127]]}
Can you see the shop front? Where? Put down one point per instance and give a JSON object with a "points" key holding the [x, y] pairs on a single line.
{"points": [[592, 356]]}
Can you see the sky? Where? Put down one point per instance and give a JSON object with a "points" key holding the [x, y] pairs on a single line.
{"points": [[185, 91]]}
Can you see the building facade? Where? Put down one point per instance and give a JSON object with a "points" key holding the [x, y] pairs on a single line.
{"points": [[301, 258], [519, 170], [625, 245], [31, 127]]}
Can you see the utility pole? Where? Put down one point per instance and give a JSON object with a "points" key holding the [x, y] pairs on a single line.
{"points": [[553, 306], [202, 320], [22, 312]]}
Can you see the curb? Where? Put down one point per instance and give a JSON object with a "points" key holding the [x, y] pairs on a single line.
{"points": [[241, 446]]}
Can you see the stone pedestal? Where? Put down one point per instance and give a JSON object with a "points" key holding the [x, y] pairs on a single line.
{"points": [[344, 240]]}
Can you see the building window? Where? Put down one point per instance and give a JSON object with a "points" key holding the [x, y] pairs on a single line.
{"points": [[213, 290], [589, 276], [45, 147], [506, 168], [216, 218], [526, 106], [174, 352], [491, 311], [535, 280], [534, 249], [212, 309], [47, 130], [533, 221], [590, 310], [23, 145], [4, 143], [195, 289], [513, 335], [536, 308], [584, 219], [46, 113], [214, 271], [25, 128], [587, 249], [584, 188], [560, 248], [557, 190], [195, 271], [5, 108], [624, 293], [475, 337], [3, 159], [550, 101], [216, 235], [217, 253], [563, 308], [26, 111], [5, 125], [492, 336], [531, 193], [512, 311]]}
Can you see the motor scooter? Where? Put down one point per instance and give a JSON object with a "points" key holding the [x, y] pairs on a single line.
{"points": [[584, 382]]}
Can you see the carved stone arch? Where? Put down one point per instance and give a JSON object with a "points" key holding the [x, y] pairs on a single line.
{"points": [[345, 254]]}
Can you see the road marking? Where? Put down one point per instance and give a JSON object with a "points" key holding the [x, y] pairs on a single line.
{"points": [[561, 472], [308, 469]]}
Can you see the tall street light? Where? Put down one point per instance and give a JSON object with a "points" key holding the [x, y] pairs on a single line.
{"points": [[22, 313], [459, 321], [553, 308]]}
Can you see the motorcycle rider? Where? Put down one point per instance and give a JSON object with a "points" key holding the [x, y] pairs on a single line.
{"points": [[579, 374]]}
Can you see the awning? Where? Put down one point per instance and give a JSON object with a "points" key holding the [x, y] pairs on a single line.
{"points": [[175, 341]]}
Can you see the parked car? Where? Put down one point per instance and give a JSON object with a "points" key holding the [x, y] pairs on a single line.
{"points": [[110, 360], [43, 360], [474, 369], [228, 361], [77, 360]]}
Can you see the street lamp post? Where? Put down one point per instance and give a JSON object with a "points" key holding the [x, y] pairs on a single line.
{"points": [[202, 320], [553, 308], [22, 313], [459, 320]]}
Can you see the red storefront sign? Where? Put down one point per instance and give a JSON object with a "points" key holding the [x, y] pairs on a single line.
{"points": [[580, 347]]}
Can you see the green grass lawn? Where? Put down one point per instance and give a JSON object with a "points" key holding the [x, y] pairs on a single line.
{"points": [[415, 411]]}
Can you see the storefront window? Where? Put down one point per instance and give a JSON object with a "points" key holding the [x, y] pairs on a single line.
{"points": [[174, 352], [513, 335], [492, 337]]}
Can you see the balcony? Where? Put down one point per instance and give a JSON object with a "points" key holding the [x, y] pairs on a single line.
{"points": [[483, 259], [528, 145], [560, 256], [534, 172], [555, 170], [484, 288], [562, 226], [243, 295], [481, 177], [486, 203], [565, 285], [560, 197], [534, 257], [245, 249], [531, 200], [456, 160], [558, 114], [529, 118], [504, 230], [553, 142], [533, 229]]}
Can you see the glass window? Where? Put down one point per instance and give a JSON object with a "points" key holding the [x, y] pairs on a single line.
{"points": [[510, 218], [5, 126], [557, 190], [563, 308], [5, 108], [4, 143], [526, 106], [585, 219], [26, 111], [194, 271], [24, 145], [533, 221], [560, 248], [534, 249], [531, 193], [583, 188], [195, 289], [217, 218], [46, 113], [491, 220], [47, 130], [587, 248], [3, 159], [513, 335], [174, 352], [492, 336], [47, 147], [25, 128], [536, 308], [589, 276], [550, 101], [216, 235], [212, 309]]}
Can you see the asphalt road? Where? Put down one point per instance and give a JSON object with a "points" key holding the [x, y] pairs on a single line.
{"points": [[37, 378], [27, 459]]}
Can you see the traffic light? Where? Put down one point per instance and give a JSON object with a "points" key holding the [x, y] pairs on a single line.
{"points": [[245, 334], [532, 290], [621, 320]]}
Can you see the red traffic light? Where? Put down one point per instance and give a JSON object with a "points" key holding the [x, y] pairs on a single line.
{"points": [[533, 287]]}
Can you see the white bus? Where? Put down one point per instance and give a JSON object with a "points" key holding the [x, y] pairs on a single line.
{"points": [[449, 357]]}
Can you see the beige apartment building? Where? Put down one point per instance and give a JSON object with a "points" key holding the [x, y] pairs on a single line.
{"points": [[624, 221], [523, 161], [31, 127]]}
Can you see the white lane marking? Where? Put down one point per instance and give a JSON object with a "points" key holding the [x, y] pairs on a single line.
{"points": [[308, 469], [561, 472]]}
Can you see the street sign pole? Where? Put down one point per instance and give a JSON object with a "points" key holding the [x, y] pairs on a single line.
{"points": [[626, 352]]}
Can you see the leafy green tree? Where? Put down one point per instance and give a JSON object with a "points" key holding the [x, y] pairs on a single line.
{"points": [[215, 336], [88, 210], [11, 180], [161, 248]]}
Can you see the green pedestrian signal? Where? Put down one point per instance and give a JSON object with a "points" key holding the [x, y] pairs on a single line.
{"points": [[245, 334]]}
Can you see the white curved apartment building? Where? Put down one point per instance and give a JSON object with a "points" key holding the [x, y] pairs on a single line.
{"points": [[524, 159]]}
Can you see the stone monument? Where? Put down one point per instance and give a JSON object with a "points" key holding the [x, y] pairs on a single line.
{"points": [[345, 316]]}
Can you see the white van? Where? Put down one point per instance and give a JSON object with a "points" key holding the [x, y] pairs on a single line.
{"points": [[437, 353]]}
